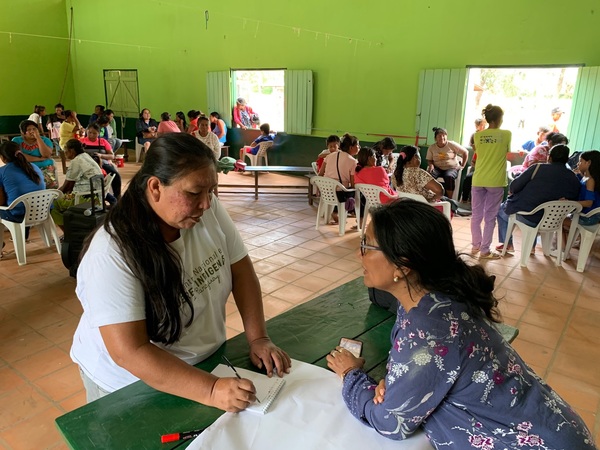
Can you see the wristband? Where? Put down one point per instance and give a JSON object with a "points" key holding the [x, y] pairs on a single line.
{"points": [[347, 371]]}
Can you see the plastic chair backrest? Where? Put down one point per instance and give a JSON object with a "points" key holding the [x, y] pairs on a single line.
{"points": [[37, 205], [555, 212], [328, 186], [315, 167], [263, 147], [372, 193]]}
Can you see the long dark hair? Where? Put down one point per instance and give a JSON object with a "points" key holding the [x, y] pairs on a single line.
{"points": [[363, 158], [348, 141], [407, 153], [11, 153], [181, 115], [133, 224], [594, 157], [415, 235]]}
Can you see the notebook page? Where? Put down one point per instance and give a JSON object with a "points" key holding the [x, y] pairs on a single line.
{"points": [[266, 388]]}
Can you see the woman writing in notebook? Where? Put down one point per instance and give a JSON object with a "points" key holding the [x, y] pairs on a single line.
{"points": [[173, 256], [449, 371]]}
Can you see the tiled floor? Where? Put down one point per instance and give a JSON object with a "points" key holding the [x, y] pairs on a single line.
{"points": [[556, 309]]}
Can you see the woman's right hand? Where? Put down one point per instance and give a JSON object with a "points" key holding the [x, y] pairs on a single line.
{"points": [[232, 394]]}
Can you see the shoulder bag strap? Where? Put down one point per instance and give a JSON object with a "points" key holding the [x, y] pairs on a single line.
{"points": [[337, 165], [537, 166]]}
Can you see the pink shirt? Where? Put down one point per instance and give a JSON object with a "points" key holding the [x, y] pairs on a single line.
{"points": [[98, 142], [346, 165], [376, 176], [168, 126]]}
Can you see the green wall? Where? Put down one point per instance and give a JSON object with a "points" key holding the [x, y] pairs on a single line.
{"points": [[366, 57], [33, 59]]}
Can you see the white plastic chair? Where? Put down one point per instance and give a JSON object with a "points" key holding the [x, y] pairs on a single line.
{"points": [[371, 193], [37, 214], [509, 173], [139, 148], [457, 184], [446, 207], [315, 167], [555, 213], [263, 147], [328, 200], [108, 179], [588, 236]]}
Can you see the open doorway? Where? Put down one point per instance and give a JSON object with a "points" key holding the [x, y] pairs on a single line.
{"points": [[263, 91], [527, 96]]}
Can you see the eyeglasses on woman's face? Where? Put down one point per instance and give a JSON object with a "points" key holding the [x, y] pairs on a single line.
{"points": [[364, 247]]}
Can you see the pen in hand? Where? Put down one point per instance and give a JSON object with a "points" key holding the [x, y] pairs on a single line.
{"points": [[235, 371]]}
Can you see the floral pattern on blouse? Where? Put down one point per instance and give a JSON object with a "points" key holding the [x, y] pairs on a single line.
{"points": [[459, 380], [414, 180]]}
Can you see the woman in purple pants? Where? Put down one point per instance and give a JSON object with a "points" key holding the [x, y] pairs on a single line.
{"points": [[489, 180]]}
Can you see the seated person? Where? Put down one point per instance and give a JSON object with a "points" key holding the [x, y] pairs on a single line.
{"points": [[243, 115], [193, 115], [17, 177], [146, 128], [77, 179], [218, 126], [207, 137], [103, 124], [368, 173], [37, 149], [180, 121], [341, 166], [410, 178], [449, 371], [100, 148], [70, 128], [98, 112], [442, 159], [539, 184], [173, 257], [333, 145], [386, 158], [112, 138], [540, 139], [253, 148], [589, 191], [539, 155], [167, 125]]}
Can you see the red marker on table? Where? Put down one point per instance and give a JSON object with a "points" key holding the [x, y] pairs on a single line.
{"points": [[180, 436]]}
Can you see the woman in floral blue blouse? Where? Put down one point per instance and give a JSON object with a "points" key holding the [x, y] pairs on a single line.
{"points": [[449, 371]]}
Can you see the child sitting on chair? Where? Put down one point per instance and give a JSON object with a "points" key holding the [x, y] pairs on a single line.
{"points": [[333, 145], [264, 137]]}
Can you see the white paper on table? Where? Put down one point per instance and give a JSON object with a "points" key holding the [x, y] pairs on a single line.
{"points": [[309, 413]]}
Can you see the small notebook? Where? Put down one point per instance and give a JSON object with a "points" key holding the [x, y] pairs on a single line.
{"points": [[266, 388]]}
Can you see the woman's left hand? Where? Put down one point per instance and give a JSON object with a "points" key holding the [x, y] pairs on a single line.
{"points": [[264, 353], [341, 361]]}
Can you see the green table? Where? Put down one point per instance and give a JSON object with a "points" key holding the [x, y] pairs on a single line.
{"points": [[136, 416]]}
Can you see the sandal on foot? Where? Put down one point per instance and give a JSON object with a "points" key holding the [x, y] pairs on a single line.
{"points": [[474, 250], [490, 255], [509, 248]]}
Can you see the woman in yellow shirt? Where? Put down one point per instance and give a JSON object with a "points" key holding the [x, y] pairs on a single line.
{"points": [[489, 180]]}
